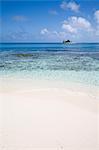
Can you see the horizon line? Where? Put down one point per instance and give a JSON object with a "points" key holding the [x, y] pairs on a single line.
{"points": [[42, 42]]}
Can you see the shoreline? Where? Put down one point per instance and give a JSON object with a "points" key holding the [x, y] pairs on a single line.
{"points": [[16, 84]]}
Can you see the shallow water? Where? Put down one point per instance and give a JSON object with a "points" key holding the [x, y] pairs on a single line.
{"points": [[72, 62]]}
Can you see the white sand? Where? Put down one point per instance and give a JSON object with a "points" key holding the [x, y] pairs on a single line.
{"points": [[47, 115]]}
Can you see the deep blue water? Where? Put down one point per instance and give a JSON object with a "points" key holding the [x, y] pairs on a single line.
{"points": [[76, 62], [74, 47]]}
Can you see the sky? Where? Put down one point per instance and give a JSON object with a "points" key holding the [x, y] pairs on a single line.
{"points": [[49, 20]]}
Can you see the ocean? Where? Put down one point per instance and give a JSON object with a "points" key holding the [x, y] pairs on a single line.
{"points": [[76, 62]]}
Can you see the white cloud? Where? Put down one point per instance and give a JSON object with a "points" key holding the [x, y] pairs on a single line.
{"points": [[48, 34], [71, 5], [96, 14], [74, 24], [74, 28], [44, 31], [69, 28], [80, 22]]}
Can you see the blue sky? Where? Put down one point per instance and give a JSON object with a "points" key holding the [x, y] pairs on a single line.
{"points": [[49, 20]]}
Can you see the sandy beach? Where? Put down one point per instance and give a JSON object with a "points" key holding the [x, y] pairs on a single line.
{"points": [[41, 115], [49, 75]]}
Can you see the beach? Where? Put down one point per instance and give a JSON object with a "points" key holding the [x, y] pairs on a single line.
{"points": [[49, 96], [49, 75], [48, 115]]}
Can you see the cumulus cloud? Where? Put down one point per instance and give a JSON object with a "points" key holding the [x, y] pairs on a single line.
{"points": [[76, 29], [69, 28], [19, 18], [70, 5], [73, 24], [73, 6], [96, 14], [57, 35]]}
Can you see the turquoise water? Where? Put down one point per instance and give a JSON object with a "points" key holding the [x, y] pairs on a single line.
{"points": [[56, 61]]}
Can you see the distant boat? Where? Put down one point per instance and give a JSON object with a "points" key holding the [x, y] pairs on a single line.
{"points": [[66, 42]]}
